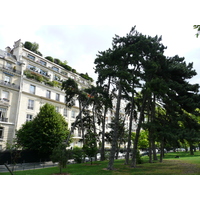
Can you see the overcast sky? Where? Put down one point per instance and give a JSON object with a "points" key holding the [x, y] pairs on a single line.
{"points": [[79, 44]]}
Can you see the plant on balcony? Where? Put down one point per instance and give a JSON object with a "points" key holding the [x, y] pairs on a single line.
{"points": [[57, 61], [32, 47], [49, 58], [74, 71], [28, 74], [57, 84], [50, 83], [39, 78]]}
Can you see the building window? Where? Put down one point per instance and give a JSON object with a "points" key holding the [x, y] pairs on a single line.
{"points": [[7, 79], [3, 114], [55, 69], [8, 65], [29, 118], [43, 72], [5, 96], [57, 109], [57, 97], [1, 133], [65, 112], [31, 67], [31, 57], [57, 78], [32, 89], [43, 63], [73, 114], [79, 132], [30, 104], [48, 94]]}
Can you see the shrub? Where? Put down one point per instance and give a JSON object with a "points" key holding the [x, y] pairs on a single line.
{"points": [[39, 78], [73, 70], [28, 45], [60, 155], [67, 67], [57, 61], [49, 58], [77, 154], [50, 83]]}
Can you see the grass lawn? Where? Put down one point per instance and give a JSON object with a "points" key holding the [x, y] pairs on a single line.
{"points": [[185, 165]]}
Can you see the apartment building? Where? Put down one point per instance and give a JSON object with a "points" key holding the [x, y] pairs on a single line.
{"points": [[27, 82], [23, 91]]}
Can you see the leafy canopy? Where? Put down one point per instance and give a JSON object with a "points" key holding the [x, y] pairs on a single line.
{"points": [[45, 132]]}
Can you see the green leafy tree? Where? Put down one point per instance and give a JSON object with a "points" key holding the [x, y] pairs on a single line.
{"points": [[60, 155], [90, 145], [77, 154], [45, 132]]}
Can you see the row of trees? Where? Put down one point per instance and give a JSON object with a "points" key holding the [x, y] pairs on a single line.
{"points": [[160, 98]]}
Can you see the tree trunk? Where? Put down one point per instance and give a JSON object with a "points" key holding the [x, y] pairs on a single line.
{"points": [[93, 117], [135, 147], [150, 150], [104, 126], [81, 118], [191, 150], [161, 150], [116, 130], [154, 150], [78, 116], [153, 129], [149, 117], [103, 138], [130, 132]]}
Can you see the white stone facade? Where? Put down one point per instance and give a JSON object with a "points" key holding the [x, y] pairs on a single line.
{"points": [[21, 97]]}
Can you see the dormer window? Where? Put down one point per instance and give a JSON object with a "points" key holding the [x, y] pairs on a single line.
{"points": [[31, 57], [7, 79], [43, 72], [57, 78], [55, 69], [31, 67], [8, 65], [43, 63]]}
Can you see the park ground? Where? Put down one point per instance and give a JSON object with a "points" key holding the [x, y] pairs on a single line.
{"points": [[184, 165]]}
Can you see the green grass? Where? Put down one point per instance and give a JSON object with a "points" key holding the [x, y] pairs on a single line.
{"points": [[185, 165]]}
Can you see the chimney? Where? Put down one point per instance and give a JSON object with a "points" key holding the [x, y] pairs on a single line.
{"points": [[8, 49]]}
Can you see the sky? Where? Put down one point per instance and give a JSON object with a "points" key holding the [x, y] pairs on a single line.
{"points": [[79, 44]]}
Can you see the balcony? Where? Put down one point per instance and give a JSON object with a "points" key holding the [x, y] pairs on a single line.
{"points": [[2, 119], [10, 69], [41, 72], [8, 84], [4, 100]]}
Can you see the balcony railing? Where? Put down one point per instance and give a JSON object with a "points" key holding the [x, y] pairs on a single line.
{"points": [[2, 119], [45, 74], [4, 99], [10, 69], [2, 82]]}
